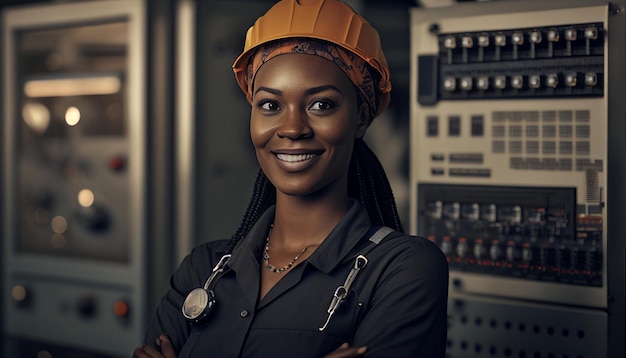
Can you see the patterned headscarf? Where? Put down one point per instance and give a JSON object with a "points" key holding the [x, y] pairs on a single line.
{"points": [[353, 66]]}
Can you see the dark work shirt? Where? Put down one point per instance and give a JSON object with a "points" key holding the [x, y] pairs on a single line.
{"points": [[396, 306]]}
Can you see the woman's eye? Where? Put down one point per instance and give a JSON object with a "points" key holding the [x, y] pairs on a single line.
{"points": [[268, 105], [321, 105]]}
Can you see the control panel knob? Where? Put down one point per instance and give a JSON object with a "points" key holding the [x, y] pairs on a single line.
{"points": [[86, 305], [461, 247], [495, 251], [94, 217], [479, 249], [511, 252]]}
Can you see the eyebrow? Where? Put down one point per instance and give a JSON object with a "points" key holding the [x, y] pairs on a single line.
{"points": [[309, 91]]}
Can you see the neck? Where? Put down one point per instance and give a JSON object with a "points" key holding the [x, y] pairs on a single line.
{"points": [[307, 220]]}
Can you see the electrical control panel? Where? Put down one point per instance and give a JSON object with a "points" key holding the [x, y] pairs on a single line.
{"points": [[510, 142], [73, 133]]}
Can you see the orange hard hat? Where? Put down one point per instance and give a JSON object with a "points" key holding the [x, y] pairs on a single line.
{"points": [[328, 20]]}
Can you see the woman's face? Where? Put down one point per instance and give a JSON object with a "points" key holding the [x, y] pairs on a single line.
{"points": [[304, 122]]}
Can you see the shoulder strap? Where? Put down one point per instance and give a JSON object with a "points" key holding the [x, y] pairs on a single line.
{"points": [[377, 234]]}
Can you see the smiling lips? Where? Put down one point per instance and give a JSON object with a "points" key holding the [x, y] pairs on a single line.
{"points": [[292, 158]]}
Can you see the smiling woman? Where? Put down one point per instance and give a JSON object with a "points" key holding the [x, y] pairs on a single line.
{"points": [[319, 266]]}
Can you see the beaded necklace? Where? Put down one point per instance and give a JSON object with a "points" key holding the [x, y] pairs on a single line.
{"points": [[266, 256]]}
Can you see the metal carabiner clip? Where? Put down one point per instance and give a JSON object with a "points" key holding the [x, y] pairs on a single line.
{"points": [[341, 292]]}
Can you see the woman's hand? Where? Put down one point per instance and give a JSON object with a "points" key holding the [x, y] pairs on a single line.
{"points": [[167, 350], [345, 351]]}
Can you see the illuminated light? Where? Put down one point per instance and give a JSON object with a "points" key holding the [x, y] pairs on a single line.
{"points": [[591, 33], [65, 87], [553, 35], [449, 84], [58, 241], [72, 116], [86, 198], [571, 80], [517, 82], [482, 83], [500, 40], [449, 42], [534, 81], [466, 83], [517, 38], [500, 82], [467, 42], [19, 293], [120, 308], [483, 40], [535, 36], [58, 224], [571, 34], [552, 80], [36, 116], [591, 79]]}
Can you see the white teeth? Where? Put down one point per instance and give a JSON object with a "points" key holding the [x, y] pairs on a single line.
{"points": [[295, 157]]}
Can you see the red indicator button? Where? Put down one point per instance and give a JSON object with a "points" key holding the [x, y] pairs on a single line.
{"points": [[117, 163], [120, 308]]}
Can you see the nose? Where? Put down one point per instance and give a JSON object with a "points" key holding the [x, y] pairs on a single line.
{"points": [[294, 125]]}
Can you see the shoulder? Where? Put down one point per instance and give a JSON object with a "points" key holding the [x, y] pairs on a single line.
{"points": [[414, 253], [202, 258]]}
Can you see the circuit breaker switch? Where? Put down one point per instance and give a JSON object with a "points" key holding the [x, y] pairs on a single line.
{"points": [[571, 79], [553, 35], [535, 36], [591, 79], [571, 35], [466, 83], [449, 42], [500, 40], [482, 83], [591, 33], [449, 84], [552, 80], [517, 82], [467, 41], [500, 82], [534, 81], [517, 38], [483, 40]]}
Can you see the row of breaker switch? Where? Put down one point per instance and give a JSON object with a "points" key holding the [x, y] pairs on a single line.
{"points": [[503, 82], [581, 260], [519, 38]]}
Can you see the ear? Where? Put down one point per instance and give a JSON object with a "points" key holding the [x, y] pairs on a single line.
{"points": [[363, 121]]}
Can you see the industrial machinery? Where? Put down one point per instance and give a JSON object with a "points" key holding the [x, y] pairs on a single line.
{"points": [[517, 172], [74, 240]]}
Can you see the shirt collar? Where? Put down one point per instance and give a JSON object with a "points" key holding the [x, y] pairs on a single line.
{"points": [[336, 248], [343, 239]]}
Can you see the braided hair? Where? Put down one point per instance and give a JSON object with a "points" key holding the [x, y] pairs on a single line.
{"points": [[367, 182]]}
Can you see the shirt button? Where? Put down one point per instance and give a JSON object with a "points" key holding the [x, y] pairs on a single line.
{"points": [[243, 313]]}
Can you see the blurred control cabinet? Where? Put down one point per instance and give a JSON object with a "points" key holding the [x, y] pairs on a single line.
{"points": [[517, 172], [74, 188]]}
